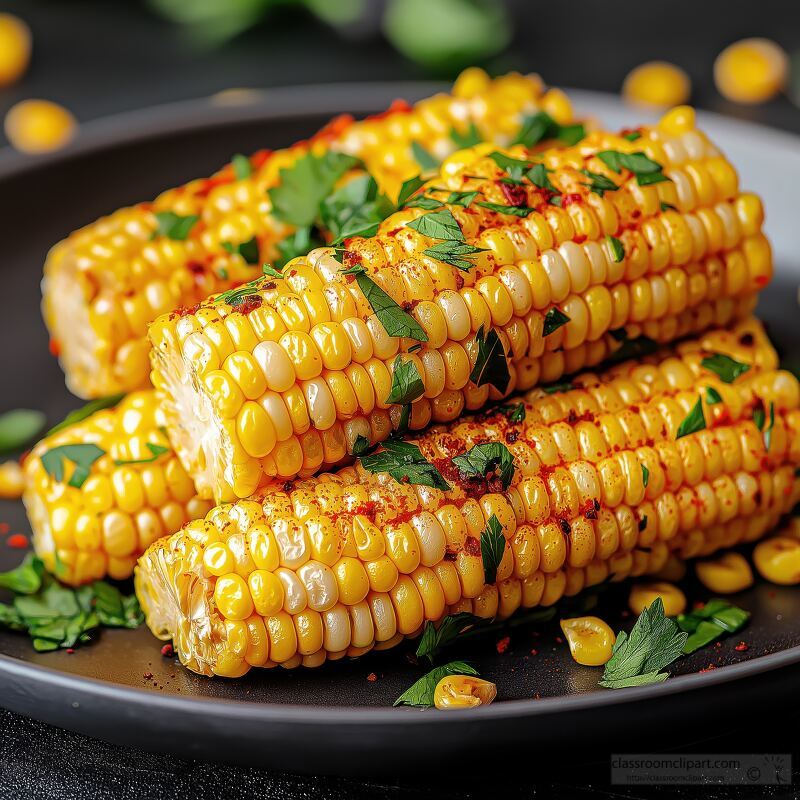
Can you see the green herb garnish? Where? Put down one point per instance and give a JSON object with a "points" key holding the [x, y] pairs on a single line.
{"points": [[81, 455], [469, 138], [600, 184], [455, 253], [156, 450], [540, 126], [491, 363], [493, 545], [421, 692], [553, 320], [645, 476], [438, 225], [644, 168], [481, 459], [241, 167], [725, 367], [406, 464], [426, 161], [173, 226], [82, 413], [712, 396], [709, 623], [514, 413], [18, 427], [450, 628], [356, 209], [694, 421], [247, 250], [537, 175], [617, 248], [407, 383], [513, 211]]}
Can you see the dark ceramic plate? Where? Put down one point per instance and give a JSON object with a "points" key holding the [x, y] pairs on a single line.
{"points": [[335, 719]]}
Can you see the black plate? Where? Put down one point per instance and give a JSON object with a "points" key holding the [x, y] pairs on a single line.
{"points": [[334, 719]]}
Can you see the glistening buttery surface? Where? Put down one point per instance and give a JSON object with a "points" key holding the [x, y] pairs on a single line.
{"points": [[54, 199]]}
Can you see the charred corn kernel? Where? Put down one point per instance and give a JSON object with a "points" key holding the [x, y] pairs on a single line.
{"points": [[778, 560], [725, 575], [107, 281], [751, 70], [12, 480], [335, 377], [15, 48], [376, 559], [120, 508], [39, 126], [643, 594], [463, 691], [590, 640], [657, 83]]}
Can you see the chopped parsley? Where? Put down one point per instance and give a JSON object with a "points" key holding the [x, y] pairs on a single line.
{"points": [[491, 364], [81, 455], [513, 167], [395, 321], [361, 446], [724, 367], [514, 211], [540, 126], [356, 209], [438, 225], [299, 243], [156, 450], [450, 628], [712, 396], [645, 476], [600, 184], [407, 383], [710, 622], [537, 175], [247, 250], [174, 226], [694, 421], [493, 545], [514, 413], [553, 320], [455, 253], [18, 427], [464, 198], [633, 136], [481, 459], [408, 189], [644, 168], [421, 692], [617, 248], [406, 464], [426, 161], [638, 658], [469, 138], [242, 168]]}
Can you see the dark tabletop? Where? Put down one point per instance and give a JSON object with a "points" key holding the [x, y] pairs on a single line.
{"points": [[108, 56]]}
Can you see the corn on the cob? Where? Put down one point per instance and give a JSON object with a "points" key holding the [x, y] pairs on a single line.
{"points": [[283, 380], [107, 281], [337, 565], [98, 516]]}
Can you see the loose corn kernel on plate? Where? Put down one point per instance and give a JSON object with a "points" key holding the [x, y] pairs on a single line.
{"points": [[339, 719]]}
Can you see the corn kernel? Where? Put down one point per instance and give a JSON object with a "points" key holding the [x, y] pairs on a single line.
{"points": [[590, 640], [778, 560], [751, 70], [725, 575], [657, 83], [643, 594], [463, 691], [39, 126]]}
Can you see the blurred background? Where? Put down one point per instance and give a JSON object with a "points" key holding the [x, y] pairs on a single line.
{"points": [[92, 58]]}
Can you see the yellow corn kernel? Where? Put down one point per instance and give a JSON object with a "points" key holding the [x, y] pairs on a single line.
{"points": [[39, 126], [778, 560], [15, 48], [232, 597], [590, 640], [12, 480], [657, 83], [463, 691], [725, 575], [643, 594], [751, 70]]}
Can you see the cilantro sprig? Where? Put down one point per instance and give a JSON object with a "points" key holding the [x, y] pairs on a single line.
{"points": [[406, 464], [553, 320], [407, 383]]}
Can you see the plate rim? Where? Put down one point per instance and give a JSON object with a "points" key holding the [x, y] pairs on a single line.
{"points": [[270, 104]]}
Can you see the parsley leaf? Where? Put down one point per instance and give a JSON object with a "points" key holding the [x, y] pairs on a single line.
{"points": [[305, 184], [407, 383], [537, 175], [633, 136], [710, 622], [493, 545], [426, 203], [694, 421], [81, 455], [450, 628], [421, 692], [539, 126], [395, 321], [271, 272], [726, 368], [301, 242], [426, 161], [557, 388], [514, 211], [18, 427], [82, 413], [156, 450], [26, 578], [513, 167], [770, 427], [241, 167], [617, 248], [356, 209], [553, 320], [712, 396], [361, 446], [247, 250], [406, 464], [464, 199], [600, 184], [174, 226], [638, 658], [514, 413], [456, 254], [645, 476], [491, 364], [438, 225], [409, 189], [481, 459], [644, 168], [469, 138]]}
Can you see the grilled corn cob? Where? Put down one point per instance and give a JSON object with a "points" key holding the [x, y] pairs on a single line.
{"points": [[345, 562], [107, 281], [92, 516], [283, 378]]}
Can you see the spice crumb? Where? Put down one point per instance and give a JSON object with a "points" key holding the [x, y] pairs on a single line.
{"points": [[148, 676], [167, 651], [18, 541], [372, 677], [534, 652], [742, 647], [503, 644]]}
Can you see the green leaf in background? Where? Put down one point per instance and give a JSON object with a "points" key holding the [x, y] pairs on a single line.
{"points": [[26, 578], [18, 427], [447, 35], [247, 250], [468, 138], [426, 161], [421, 692], [86, 411], [174, 226]]}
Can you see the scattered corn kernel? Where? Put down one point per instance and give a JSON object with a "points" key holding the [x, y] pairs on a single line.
{"points": [[643, 594], [463, 691], [12, 481], [751, 71], [590, 640], [15, 48], [657, 83], [39, 126], [725, 575], [778, 560]]}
